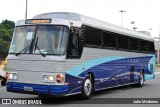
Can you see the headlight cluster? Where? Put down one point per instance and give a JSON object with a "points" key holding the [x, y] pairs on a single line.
{"points": [[55, 78], [48, 78], [12, 76]]}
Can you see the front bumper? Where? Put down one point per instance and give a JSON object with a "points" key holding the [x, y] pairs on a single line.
{"points": [[37, 88]]}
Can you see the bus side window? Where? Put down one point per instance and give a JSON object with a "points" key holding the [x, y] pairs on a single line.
{"points": [[73, 46]]}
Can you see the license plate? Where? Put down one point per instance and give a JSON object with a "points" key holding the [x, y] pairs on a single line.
{"points": [[28, 88]]}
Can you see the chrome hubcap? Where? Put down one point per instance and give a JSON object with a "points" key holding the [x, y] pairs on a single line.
{"points": [[87, 86]]}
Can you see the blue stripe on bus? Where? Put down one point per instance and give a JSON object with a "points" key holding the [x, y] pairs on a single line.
{"points": [[75, 71], [94, 63]]}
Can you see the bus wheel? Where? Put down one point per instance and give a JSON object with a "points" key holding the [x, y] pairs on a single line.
{"points": [[87, 88], [3, 82], [141, 79]]}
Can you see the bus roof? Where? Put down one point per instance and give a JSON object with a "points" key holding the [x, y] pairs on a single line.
{"points": [[88, 21]]}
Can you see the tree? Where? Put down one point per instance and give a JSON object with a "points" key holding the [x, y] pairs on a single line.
{"points": [[8, 23], [6, 30]]}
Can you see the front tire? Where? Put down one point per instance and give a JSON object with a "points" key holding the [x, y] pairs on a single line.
{"points": [[87, 89], [141, 80]]}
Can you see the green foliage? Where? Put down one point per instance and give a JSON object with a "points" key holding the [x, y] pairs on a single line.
{"points": [[158, 65], [5, 69], [8, 24], [6, 30]]}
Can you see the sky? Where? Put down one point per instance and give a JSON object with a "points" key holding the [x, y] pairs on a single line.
{"points": [[144, 13]]}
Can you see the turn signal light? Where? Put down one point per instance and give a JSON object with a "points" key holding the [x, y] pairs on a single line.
{"points": [[59, 78]]}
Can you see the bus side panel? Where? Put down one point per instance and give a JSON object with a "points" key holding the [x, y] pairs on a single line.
{"points": [[118, 72], [74, 84]]}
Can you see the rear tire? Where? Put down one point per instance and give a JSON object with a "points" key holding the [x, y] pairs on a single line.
{"points": [[87, 88]]}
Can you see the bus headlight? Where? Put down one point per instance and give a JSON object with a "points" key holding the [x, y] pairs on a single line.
{"points": [[12, 76], [45, 78], [48, 78]]}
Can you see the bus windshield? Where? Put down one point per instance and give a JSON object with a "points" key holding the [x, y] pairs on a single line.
{"points": [[41, 39]]}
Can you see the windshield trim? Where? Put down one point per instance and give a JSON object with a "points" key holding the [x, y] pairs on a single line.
{"points": [[35, 39]]}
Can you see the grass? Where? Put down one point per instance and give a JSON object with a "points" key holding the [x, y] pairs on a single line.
{"points": [[158, 65]]}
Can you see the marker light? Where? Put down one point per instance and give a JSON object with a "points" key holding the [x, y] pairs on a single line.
{"points": [[36, 21]]}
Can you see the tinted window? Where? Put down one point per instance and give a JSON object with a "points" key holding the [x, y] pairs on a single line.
{"points": [[134, 44], [92, 37], [122, 42], [151, 47], [109, 40], [143, 45], [73, 45]]}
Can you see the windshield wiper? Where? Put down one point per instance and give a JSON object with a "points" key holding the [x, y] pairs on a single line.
{"points": [[25, 49], [36, 46]]}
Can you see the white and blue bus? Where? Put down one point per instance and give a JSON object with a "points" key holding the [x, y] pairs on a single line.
{"points": [[64, 53]]}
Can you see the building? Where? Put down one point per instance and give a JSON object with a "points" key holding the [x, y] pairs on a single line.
{"points": [[157, 49]]}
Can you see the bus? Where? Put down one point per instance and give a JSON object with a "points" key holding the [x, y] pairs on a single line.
{"points": [[64, 53]]}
